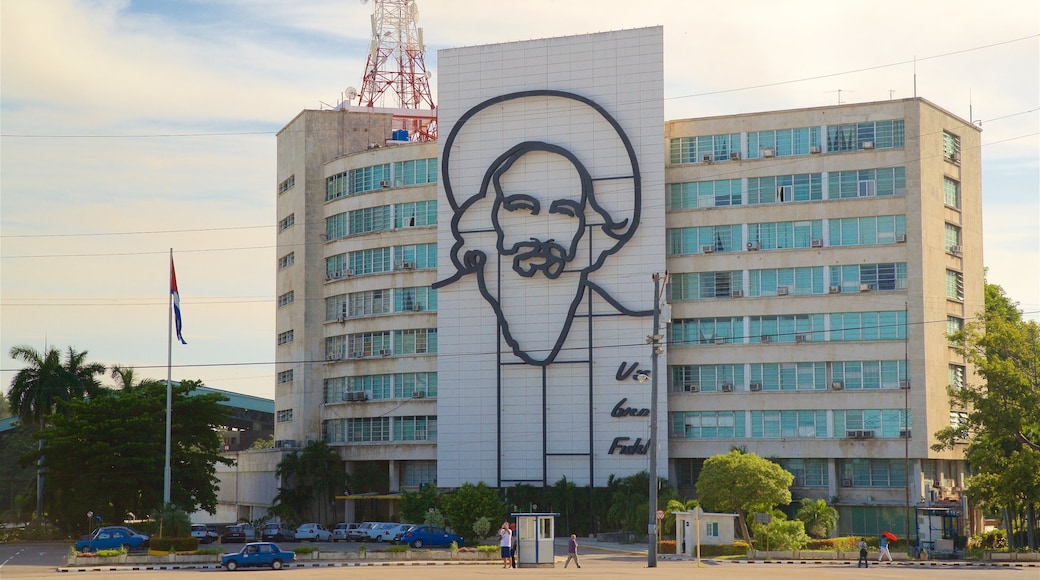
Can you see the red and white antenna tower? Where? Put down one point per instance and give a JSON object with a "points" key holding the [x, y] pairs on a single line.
{"points": [[395, 76]]}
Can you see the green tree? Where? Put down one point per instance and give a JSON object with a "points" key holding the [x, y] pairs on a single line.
{"points": [[468, 504], [310, 481], [743, 483], [263, 443], [628, 497], [107, 454], [675, 505], [818, 517], [17, 482], [44, 387], [416, 506], [1002, 411], [780, 533]]}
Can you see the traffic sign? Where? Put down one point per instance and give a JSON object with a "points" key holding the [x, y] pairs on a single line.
{"points": [[660, 514]]}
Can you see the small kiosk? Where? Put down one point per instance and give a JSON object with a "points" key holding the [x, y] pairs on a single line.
{"points": [[535, 540]]}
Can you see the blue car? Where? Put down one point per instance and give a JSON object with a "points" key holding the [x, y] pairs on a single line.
{"points": [[112, 538], [420, 536], [257, 554]]}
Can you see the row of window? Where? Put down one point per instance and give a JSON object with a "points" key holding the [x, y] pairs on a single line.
{"points": [[838, 326], [381, 218], [787, 281], [364, 179], [882, 182], [801, 424], [863, 231], [286, 185], [381, 429], [379, 260], [788, 142], [381, 387], [376, 302], [381, 343], [853, 472], [803, 376]]}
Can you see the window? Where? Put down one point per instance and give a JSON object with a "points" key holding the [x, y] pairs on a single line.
{"points": [[370, 303], [284, 416], [806, 423], [416, 341], [372, 261], [954, 285], [412, 215], [889, 325], [869, 135], [377, 387], [783, 142], [882, 182], [415, 172], [786, 328], [285, 337], [866, 231], [956, 376], [368, 429], [707, 378], [285, 377], [698, 149], [793, 281], [419, 256], [368, 344], [873, 472], [706, 331], [954, 325], [286, 222], [951, 147], [357, 181], [707, 425], [872, 374], [415, 299], [415, 385], [707, 239], [286, 260], [959, 419], [785, 188], [419, 473], [287, 184], [701, 285], [421, 428], [882, 277], [952, 238], [881, 422], [696, 194], [807, 472], [951, 193], [337, 186], [785, 235], [286, 299], [806, 376], [711, 529]]}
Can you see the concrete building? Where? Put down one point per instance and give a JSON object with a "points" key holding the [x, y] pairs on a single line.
{"points": [[817, 259]]}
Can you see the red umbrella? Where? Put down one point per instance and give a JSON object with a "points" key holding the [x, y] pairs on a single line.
{"points": [[892, 537]]}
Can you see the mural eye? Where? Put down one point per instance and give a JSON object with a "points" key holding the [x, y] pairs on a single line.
{"points": [[521, 202], [565, 207]]}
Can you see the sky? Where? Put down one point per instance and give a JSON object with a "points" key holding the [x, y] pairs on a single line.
{"points": [[129, 127]]}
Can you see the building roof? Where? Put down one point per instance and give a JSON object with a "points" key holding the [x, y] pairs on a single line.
{"points": [[8, 424], [248, 402]]}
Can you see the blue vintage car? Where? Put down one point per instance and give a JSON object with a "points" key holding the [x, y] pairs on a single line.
{"points": [[112, 538], [430, 536], [257, 554]]}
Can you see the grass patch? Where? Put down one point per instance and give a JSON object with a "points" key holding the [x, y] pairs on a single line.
{"points": [[396, 549], [300, 550]]}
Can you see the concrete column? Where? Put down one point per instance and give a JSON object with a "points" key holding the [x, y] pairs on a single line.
{"points": [[395, 481]]}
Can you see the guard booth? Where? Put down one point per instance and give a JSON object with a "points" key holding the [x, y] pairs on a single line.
{"points": [[535, 540]]}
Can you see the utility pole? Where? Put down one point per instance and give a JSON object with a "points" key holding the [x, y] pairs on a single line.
{"points": [[654, 340]]}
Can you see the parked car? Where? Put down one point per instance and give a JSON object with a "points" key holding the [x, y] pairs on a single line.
{"points": [[360, 533], [313, 532], [420, 536], [112, 538], [278, 532], [249, 531], [204, 534], [342, 531], [395, 533], [126, 529], [233, 534], [257, 554]]}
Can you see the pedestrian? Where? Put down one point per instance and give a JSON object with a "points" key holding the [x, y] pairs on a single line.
{"points": [[572, 551], [512, 547], [862, 554], [884, 549], [505, 544]]}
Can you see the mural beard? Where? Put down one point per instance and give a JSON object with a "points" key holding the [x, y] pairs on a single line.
{"points": [[536, 256]]}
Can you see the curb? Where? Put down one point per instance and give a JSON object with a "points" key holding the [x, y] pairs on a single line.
{"points": [[213, 566]]}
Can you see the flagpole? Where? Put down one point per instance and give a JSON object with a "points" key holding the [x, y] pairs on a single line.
{"points": [[169, 388]]}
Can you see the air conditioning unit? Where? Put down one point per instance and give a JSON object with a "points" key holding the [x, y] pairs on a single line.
{"points": [[357, 396], [341, 318], [734, 156], [835, 289], [753, 246], [720, 341], [691, 387], [384, 183], [904, 384], [707, 249], [904, 433], [801, 337], [900, 238], [726, 387], [955, 157], [333, 357], [783, 291], [417, 307], [866, 434], [867, 145], [814, 149], [816, 243], [385, 352], [418, 394], [956, 250], [837, 385], [853, 434], [846, 483], [768, 152], [736, 294], [867, 287], [767, 338], [706, 158], [358, 354], [755, 386], [405, 266]]}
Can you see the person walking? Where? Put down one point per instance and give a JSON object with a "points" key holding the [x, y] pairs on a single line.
{"points": [[505, 544], [862, 554], [884, 549], [572, 551]]}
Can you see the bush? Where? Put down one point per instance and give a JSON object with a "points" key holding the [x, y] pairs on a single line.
{"points": [[844, 544], [991, 540], [780, 535], [737, 548], [489, 549], [300, 550], [666, 547], [396, 549]]}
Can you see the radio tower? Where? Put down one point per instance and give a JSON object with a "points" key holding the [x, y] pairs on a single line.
{"points": [[396, 78]]}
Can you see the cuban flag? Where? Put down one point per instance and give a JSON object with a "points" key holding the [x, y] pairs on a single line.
{"points": [[176, 301]]}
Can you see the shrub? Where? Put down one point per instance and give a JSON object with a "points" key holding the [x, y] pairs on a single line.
{"points": [[300, 550], [991, 540], [209, 551], [112, 553], [666, 547], [780, 535], [490, 549], [738, 548], [396, 549]]}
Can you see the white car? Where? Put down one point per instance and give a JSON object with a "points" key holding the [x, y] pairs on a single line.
{"points": [[313, 532], [204, 534], [382, 532], [342, 531]]}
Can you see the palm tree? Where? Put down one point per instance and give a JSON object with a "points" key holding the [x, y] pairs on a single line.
{"points": [[126, 378], [819, 517], [42, 388]]}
